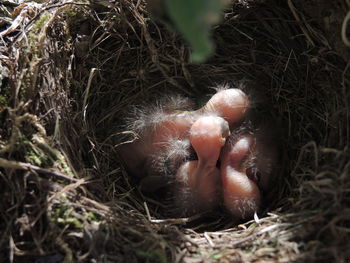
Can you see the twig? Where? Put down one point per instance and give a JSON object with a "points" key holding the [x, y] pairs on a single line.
{"points": [[147, 211], [344, 28], [253, 236], [26, 166], [177, 220], [297, 18], [208, 238]]}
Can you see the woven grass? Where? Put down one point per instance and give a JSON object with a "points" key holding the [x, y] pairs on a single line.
{"points": [[71, 74]]}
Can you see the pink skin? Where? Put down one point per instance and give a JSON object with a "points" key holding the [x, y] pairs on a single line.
{"points": [[241, 194], [230, 104], [201, 177], [207, 130]]}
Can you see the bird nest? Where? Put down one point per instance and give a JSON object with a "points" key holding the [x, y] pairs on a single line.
{"points": [[69, 73]]}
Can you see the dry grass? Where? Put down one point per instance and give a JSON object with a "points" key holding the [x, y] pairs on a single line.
{"points": [[74, 70]]}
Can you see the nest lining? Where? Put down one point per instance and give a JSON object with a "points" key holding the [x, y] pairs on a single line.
{"points": [[73, 71]]}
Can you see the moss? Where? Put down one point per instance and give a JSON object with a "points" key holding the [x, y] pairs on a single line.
{"points": [[33, 36], [71, 13], [30, 153], [32, 40], [152, 256], [33, 158], [74, 17], [51, 156], [63, 214], [91, 216], [4, 90], [3, 101], [217, 256], [39, 153], [41, 22], [71, 221]]}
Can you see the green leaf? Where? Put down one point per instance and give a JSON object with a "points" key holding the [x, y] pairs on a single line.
{"points": [[194, 19]]}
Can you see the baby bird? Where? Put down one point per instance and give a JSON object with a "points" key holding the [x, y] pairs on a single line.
{"points": [[206, 157]]}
